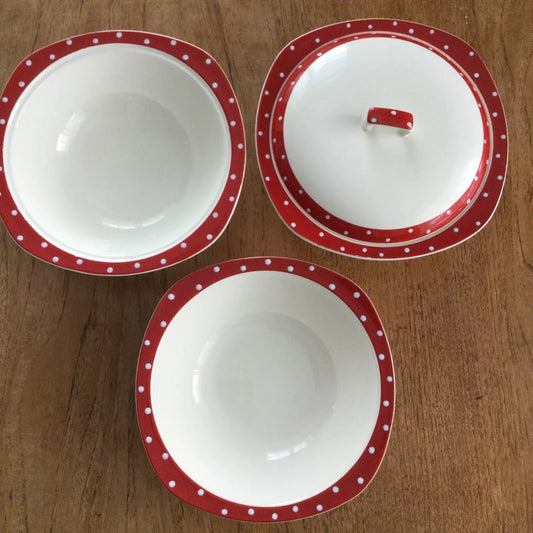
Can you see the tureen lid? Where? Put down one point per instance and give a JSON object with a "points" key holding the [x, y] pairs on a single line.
{"points": [[378, 133]]}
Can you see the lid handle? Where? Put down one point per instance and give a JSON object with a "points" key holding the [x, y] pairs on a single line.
{"points": [[384, 116]]}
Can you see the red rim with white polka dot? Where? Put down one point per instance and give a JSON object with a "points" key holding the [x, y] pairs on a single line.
{"points": [[311, 221], [211, 227], [363, 470]]}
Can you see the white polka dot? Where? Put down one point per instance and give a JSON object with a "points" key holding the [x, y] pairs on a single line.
{"points": [[232, 123], [147, 342], [141, 389], [240, 146], [379, 333], [360, 480], [147, 411], [232, 198], [69, 42], [476, 74], [386, 427], [55, 259], [260, 133], [52, 56], [319, 507], [311, 268], [165, 456], [406, 250], [494, 93], [171, 484], [386, 403], [335, 489], [498, 156], [281, 75], [411, 31], [21, 84], [183, 245], [147, 41], [148, 439], [478, 223], [95, 41], [216, 269], [317, 40], [456, 230], [45, 245], [342, 249], [294, 508], [485, 194], [446, 47], [200, 492], [321, 234], [389, 379], [290, 268], [251, 512], [147, 366], [381, 356], [286, 202], [503, 137], [224, 512], [243, 268], [267, 93], [363, 318], [119, 34], [387, 239], [381, 254], [332, 286], [78, 261], [356, 294], [163, 261], [173, 42], [215, 215], [185, 57], [109, 270], [291, 47], [20, 238], [207, 61], [231, 100], [470, 53], [137, 265], [267, 261], [209, 237], [198, 287], [431, 248], [163, 324], [293, 224], [494, 114], [267, 178], [410, 230], [2, 121], [371, 449], [432, 32], [233, 176], [274, 516], [28, 62], [370, 26], [4, 99], [214, 85]]}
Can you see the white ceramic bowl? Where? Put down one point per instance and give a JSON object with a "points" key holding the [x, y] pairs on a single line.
{"points": [[119, 148], [265, 389], [381, 139]]}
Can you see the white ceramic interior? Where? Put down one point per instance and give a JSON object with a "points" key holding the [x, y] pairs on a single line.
{"points": [[265, 388], [117, 152], [377, 177]]}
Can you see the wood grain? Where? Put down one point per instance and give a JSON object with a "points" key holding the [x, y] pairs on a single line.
{"points": [[460, 322]]}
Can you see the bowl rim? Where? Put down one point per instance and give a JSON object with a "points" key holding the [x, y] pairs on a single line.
{"points": [[468, 221], [365, 466], [204, 65]]}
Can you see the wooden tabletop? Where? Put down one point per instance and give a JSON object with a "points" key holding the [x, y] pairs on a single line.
{"points": [[460, 323]]}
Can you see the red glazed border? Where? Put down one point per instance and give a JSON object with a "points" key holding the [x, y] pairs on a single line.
{"points": [[214, 224], [170, 474], [311, 222]]}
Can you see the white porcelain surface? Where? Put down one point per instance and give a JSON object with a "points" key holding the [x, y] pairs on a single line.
{"points": [[265, 388], [375, 177], [117, 152]]}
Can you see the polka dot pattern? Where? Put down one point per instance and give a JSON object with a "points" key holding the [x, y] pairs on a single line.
{"points": [[209, 70], [344, 488], [369, 243]]}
